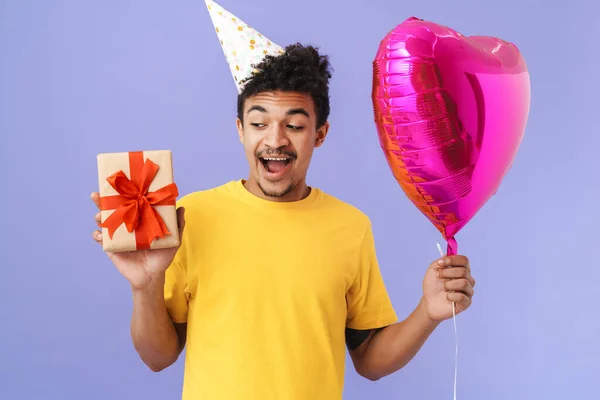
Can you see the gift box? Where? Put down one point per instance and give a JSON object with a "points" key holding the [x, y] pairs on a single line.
{"points": [[137, 201]]}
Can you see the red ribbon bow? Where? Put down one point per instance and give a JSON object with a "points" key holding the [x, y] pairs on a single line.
{"points": [[134, 204]]}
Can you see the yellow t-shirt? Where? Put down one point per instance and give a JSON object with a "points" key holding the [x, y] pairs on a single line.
{"points": [[267, 290]]}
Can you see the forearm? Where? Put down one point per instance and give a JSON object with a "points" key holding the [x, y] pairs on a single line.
{"points": [[152, 330], [396, 345]]}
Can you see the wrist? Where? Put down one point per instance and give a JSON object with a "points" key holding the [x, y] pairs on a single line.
{"points": [[422, 311], [155, 282]]}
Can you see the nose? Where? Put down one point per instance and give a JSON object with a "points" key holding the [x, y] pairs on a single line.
{"points": [[276, 137]]}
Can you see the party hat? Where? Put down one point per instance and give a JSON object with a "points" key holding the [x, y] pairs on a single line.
{"points": [[243, 46]]}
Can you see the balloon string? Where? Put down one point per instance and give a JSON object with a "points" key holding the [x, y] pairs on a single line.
{"points": [[455, 330]]}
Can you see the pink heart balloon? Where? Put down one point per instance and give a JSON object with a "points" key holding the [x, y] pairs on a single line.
{"points": [[450, 112]]}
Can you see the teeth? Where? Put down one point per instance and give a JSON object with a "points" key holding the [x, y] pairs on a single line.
{"points": [[274, 159]]}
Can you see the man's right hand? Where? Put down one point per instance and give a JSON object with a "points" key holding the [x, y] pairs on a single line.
{"points": [[141, 267]]}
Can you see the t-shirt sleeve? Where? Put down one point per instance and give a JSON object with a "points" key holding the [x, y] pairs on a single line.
{"points": [[176, 298], [369, 305]]}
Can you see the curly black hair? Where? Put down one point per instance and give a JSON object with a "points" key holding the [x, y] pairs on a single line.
{"points": [[299, 69]]}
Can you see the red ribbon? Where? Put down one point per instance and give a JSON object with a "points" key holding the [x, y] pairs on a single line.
{"points": [[134, 204]]}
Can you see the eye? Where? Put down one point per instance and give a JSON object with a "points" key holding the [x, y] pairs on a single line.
{"points": [[257, 125], [295, 127]]}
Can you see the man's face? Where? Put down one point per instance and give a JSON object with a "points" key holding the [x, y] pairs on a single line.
{"points": [[279, 134]]}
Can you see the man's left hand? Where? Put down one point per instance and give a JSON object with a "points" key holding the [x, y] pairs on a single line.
{"points": [[447, 280]]}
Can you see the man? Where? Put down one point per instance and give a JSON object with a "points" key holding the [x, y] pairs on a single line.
{"points": [[274, 278]]}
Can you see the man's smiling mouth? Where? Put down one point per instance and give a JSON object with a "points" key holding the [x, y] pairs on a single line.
{"points": [[275, 164]]}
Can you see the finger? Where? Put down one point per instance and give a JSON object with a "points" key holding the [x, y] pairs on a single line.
{"points": [[95, 196], [454, 261], [453, 273], [459, 285], [459, 298], [98, 219], [97, 236]]}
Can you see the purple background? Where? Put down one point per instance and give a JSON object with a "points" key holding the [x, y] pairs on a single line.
{"points": [[79, 77]]}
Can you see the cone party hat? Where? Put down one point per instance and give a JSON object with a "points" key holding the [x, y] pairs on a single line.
{"points": [[243, 46]]}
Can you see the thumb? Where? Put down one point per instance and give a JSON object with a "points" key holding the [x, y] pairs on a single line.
{"points": [[439, 263], [181, 221]]}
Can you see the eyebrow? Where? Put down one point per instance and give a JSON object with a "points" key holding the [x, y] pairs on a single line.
{"points": [[293, 111], [256, 108]]}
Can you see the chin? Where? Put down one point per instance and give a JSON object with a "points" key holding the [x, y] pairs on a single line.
{"points": [[276, 189]]}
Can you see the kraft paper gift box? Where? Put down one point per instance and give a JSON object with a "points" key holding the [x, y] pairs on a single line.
{"points": [[137, 201]]}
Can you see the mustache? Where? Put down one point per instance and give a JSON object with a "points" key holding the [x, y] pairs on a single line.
{"points": [[276, 153]]}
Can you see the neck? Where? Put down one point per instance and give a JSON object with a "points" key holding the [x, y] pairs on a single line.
{"points": [[300, 191]]}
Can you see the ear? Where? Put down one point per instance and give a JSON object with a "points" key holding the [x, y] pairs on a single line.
{"points": [[240, 129], [322, 134]]}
